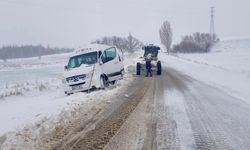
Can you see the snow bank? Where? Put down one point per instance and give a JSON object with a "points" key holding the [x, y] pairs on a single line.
{"points": [[226, 67], [22, 88], [28, 102], [38, 115]]}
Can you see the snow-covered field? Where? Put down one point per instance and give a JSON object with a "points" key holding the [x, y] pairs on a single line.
{"points": [[226, 67], [34, 62], [32, 98], [29, 88]]}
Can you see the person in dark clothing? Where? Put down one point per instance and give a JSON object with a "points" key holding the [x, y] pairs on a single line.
{"points": [[148, 66]]}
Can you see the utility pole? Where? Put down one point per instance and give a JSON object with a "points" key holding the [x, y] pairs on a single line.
{"points": [[212, 22]]}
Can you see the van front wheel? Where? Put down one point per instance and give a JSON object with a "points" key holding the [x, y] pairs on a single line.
{"points": [[103, 82], [113, 82]]}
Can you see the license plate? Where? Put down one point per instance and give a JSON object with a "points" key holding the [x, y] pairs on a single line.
{"points": [[77, 87]]}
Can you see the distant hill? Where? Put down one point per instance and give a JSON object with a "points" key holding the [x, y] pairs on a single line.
{"points": [[9, 52], [232, 45]]}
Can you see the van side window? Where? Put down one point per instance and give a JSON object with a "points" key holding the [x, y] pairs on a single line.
{"points": [[108, 55]]}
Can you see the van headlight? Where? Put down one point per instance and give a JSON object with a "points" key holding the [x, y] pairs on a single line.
{"points": [[64, 81], [81, 77]]}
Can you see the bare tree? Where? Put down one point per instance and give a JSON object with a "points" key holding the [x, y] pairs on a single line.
{"points": [[130, 44], [166, 35], [196, 43], [133, 43]]}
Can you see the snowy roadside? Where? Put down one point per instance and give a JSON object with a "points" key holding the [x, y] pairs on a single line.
{"points": [[33, 107], [231, 82], [58, 110], [227, 69], [23, 88]]}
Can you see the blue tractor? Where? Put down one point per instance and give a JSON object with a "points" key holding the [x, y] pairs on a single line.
{"points": [[153, 51]]}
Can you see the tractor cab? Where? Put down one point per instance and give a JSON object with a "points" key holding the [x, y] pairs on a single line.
{"points": [[156, 64], [151, 49]]}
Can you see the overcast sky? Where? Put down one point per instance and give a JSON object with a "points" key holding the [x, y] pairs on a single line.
{"points": [[73, 23]]}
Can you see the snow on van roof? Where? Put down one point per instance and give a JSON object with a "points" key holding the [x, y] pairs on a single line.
{"points": [[90, 48]]}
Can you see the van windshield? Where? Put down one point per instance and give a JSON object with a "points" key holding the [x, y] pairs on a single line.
{"points": [[88, 58]]}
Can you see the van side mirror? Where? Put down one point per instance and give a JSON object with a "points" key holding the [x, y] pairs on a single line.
{"points": [[65, 67], [100, 62]]}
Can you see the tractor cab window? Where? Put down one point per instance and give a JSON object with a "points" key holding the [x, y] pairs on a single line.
{"points": [[151, 50]]}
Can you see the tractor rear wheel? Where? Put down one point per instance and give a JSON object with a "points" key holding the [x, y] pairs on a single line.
{"points": [[138, 69], [158, 68]]}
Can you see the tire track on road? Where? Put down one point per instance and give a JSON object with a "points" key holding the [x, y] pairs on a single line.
{"points": [[206, 132], [99, 136]]}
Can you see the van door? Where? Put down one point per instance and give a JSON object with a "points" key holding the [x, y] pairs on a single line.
{"points": [[110, 64], [120, 59]]}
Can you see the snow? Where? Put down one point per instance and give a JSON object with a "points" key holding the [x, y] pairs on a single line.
{"points": [[214, 103], [175, 102], [226, 67], [31, 91], [34, 62], [32, 106]]}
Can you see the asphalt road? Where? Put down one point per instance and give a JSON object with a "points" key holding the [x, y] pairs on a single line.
{"points": [[171, 111]]}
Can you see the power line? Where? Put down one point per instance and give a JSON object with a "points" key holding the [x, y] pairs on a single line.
{"points": [[212, 22]]}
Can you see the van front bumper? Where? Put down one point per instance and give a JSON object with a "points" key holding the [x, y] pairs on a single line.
{"points": [[79, 87]]}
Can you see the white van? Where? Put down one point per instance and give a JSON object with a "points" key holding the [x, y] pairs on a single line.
{"points": [[95, 66]]}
